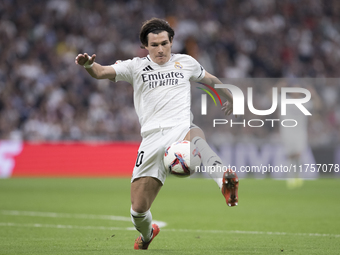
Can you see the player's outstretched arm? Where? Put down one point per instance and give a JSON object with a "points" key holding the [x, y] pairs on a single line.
{"points": [[94, 69], [212, 80]]}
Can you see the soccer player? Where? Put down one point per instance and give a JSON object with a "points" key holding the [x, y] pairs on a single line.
{"points": [[295, 139], [161, 83]]}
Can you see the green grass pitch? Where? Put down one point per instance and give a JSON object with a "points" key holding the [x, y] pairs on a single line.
{"points": [[91, 216]]}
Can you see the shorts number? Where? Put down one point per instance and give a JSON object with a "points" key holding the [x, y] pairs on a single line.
{"points": [[139, 160]]}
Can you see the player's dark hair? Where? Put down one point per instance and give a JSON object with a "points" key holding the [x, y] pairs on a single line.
{"points": [[154, 26]]}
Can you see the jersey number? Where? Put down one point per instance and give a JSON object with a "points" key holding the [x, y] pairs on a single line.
{"points": [[139, 160]]}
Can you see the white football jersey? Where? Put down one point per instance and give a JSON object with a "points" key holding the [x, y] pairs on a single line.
{"points": [[162, 94]]}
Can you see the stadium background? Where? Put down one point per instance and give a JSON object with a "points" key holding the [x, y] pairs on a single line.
{"points": [[57, 121], [49, 106]]}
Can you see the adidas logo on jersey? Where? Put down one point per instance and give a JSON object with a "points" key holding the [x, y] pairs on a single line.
{"points": [[148, 68]]}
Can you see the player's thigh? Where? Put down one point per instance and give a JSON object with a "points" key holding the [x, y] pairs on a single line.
{"points": [[143, 192]]}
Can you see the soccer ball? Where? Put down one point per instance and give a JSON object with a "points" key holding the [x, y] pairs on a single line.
{"points": [[181, 158]]}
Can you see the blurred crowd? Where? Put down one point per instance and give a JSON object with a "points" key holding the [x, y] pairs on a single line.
{"points": [[44, 95]]}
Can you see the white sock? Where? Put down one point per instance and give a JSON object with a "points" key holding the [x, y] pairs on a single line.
{"points": [[142, 222], [209, 158]]}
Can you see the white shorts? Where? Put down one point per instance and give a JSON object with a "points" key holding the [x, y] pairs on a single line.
{"points": [[151, 151]]}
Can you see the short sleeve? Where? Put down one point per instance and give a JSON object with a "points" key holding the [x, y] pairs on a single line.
{"points": [[123, 70], [198, 71]]}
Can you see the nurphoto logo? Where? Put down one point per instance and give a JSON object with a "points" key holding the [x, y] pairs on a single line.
{"points": [[239, 103]]}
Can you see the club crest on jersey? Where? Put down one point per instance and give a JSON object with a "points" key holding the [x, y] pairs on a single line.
{"points": [[178, 65]]}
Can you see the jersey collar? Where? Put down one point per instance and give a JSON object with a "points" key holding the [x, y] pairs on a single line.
{"points": [[149, 58]]}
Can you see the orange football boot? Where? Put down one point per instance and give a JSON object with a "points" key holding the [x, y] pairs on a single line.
{"points": [[230, 187], [140, 244]]}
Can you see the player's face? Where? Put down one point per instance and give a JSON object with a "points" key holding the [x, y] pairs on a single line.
{"points": [[159, 47]]}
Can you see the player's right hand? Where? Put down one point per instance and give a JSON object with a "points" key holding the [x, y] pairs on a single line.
{"points": [[81, 59]]}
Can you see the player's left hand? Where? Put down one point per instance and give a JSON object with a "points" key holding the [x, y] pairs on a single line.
{"points": [[227, 108]]}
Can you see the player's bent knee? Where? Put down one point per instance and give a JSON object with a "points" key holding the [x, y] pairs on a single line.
{"points": [[140, 207], [193, 133]]}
